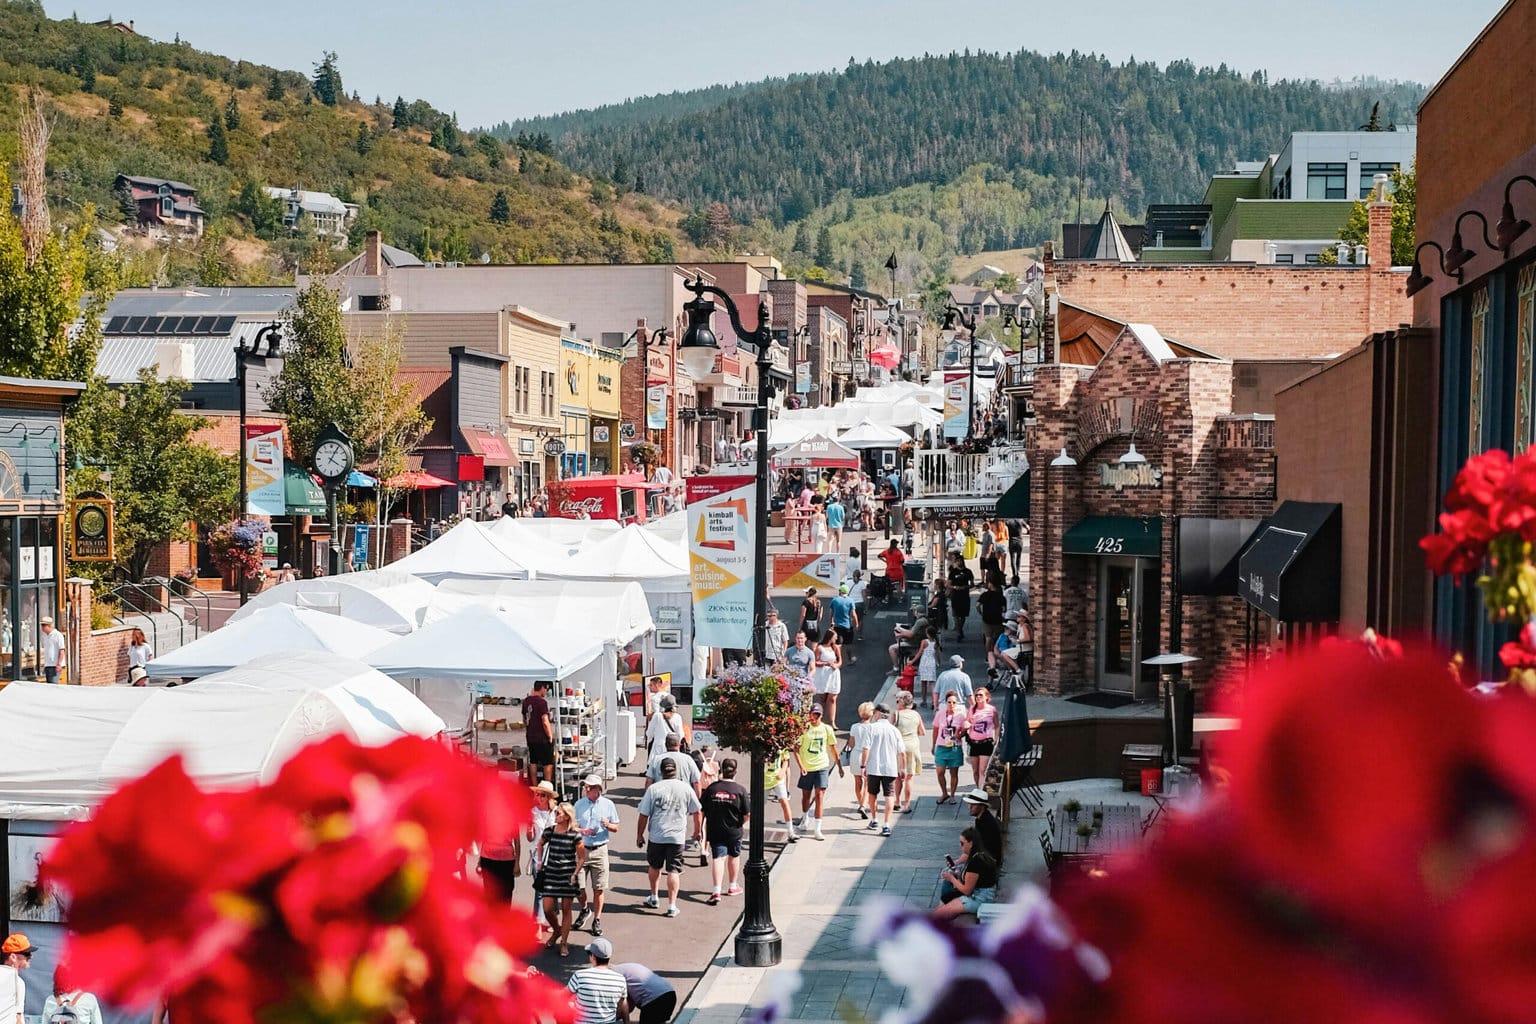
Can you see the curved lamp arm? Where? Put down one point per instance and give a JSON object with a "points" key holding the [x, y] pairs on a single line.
{"points": [[1458, 255], [763, 336]]}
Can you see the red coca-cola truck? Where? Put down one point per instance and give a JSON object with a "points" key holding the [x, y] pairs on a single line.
{"points": [[619, 496]]}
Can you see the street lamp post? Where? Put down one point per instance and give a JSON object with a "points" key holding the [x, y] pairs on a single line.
{"points": [[272, 335], [953, 315], [758, 943]]}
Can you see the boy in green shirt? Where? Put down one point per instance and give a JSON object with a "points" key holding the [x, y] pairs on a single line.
{"points": [[814, 755], [774, 770]]}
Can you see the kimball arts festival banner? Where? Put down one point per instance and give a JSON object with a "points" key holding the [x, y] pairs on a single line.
{"points": [[720, 553], [656, 407], [808, 569], [264, 470], [957, 405]]}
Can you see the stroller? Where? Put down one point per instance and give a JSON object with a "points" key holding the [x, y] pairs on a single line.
{"points": [[880, 592]]}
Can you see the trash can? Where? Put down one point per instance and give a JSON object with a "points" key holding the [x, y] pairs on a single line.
{"points": [[1151, 781], [916, 570]]}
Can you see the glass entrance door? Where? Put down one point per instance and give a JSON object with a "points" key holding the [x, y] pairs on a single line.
{"points": [[1119, 638]]}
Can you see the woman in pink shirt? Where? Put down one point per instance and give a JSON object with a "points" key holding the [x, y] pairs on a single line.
{"points": [[981, 734], [949, 727]]}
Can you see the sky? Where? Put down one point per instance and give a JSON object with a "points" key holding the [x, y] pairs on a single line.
{"points": [[494, 60]]}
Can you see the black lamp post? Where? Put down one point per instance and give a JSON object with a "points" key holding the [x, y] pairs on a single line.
{"points": [[270, 337], [758, 943], [953, 315]]}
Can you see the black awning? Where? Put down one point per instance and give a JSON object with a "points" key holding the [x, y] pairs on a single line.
{"points": [[1014, 504], [1208, 553], [1291, 570]]}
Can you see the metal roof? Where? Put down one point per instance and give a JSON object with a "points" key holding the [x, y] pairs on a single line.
{"points": [[310, 202], [1108, 242], [195, 301], [121, 358]]}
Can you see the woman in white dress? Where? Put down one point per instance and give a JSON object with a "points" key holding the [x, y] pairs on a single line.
{"points": [[544, 803], [858, 739], [139, 651], [827, 678]]}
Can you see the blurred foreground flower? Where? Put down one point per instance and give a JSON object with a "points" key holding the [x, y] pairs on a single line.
{"points": [[1490, 516], [335, 894]]}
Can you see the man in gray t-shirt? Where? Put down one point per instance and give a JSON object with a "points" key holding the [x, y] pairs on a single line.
{"points": [[687, 769], [664, 814], [647, 992]]}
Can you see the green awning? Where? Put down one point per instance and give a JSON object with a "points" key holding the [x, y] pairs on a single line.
{"points": [[301, 494], [1014, 504], [1115, 535]]}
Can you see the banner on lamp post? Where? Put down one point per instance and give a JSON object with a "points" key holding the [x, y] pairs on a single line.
{"points": [[957, 404], [803, 378], [264, 471], [720, 558], [656, 407]]}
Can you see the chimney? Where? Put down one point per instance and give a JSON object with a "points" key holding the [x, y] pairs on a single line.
{"points": [[373, 254], [1379, 234]]}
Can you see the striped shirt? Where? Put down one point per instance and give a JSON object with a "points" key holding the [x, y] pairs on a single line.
{"points": [[598, 991]]}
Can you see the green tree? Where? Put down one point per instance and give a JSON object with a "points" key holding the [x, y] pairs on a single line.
{"points": [[639, 183], [85, 67], [491, 148], [1403, 186], [1007, 282], [364, 143], [313, 389], [264, 213], [327, 81], [401, 114], [620, 174], [218, 142], [501, 209], [824, 256], [115, 108], [126, 204], [162, 480], [275, 90], [232, 113], [394, 423]]}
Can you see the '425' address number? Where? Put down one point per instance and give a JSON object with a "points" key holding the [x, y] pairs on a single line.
{"points": [[1109, 545]]}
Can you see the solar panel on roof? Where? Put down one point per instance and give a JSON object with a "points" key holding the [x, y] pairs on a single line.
{"points": [[185, 324], [115, 324], [223, 325], [134, 324], [203, 326], [152, 324]]}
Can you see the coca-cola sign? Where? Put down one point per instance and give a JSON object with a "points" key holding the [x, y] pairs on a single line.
{"points": [[572, 508]]}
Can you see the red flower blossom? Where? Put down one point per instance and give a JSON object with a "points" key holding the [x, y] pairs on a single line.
{"points": [[1369, 863], [335, 893]]}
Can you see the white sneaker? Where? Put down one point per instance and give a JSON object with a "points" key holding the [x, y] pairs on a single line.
{"points": [[793, 837], [672, 910], [818, 832]]}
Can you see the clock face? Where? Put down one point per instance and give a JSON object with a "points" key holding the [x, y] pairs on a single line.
{"points": [[92, 522], [333, 459]]}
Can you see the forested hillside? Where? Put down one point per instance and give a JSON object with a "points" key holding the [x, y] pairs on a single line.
{"points": [[639, 108], [1147, 134], [123, 103]]}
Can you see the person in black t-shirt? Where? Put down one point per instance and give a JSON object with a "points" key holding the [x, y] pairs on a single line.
{"points": [[992, 605], [725, 813], [538, 732], [961, 580]]}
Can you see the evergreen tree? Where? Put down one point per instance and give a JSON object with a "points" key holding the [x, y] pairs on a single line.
{"points": [[126, 204], [859, 278], [491, 148], [115, 107], [364, 144], [218, 142], [639, 183], [327, 80], [501, 209], [621, 174], [402, 116], [824, 256], [232, 113], [802, 243], [275, 90], [85, 67]]}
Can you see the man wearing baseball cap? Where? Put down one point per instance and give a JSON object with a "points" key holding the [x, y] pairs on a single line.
{"points": [[814, 756], [53, 647], [596, 817], [845, 618], [16, 952], [884, 760], [598, 988]]}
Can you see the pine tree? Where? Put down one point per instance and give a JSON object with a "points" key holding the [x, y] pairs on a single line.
{"points": [[501, 209], [402, 114], [620, 174], [126, 204], [232, 113], [275, 90], [364, 144], [488, 145], [327, 81], [85, 67], [639, 183], [115, 108], [824, 256], [218, 141]]}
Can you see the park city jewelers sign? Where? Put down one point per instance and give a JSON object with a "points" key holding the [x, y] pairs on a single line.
{"points": [[1141, 474]]}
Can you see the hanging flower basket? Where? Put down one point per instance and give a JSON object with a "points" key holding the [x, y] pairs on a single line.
{"points": [[757, 710], [645, 454], [236, 548]]}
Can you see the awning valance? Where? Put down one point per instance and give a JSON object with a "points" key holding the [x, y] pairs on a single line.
{"points": [[1208, 553], [1014, 504], [1291, 570], [301, 495], [490, 446], [1115, 535]]}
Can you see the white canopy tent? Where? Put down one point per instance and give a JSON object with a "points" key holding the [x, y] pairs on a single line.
{"points": [[281, 627], [672, 527], [230, 734], [868, 434], [385, 598], [612, 610], [549, 539], [468, 552]]}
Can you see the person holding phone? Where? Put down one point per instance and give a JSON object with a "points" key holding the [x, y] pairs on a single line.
{"points": [[974, 879]]}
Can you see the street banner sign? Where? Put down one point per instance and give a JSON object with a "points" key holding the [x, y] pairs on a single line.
{"points": [[264, 470], [721, 517]]}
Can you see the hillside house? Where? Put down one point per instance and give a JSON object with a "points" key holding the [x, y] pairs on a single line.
{"points": [[332, 217], [166, 208]]}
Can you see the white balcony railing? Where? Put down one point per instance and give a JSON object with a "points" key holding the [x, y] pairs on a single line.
{"points": [[946, 473], [736, 396]]}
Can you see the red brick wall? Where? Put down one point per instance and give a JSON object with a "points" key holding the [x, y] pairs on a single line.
{"points": [[1240, 310], [1211, 465], [101, 659]]}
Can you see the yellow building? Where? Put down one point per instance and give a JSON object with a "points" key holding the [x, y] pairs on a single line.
{"points": [[575, 406], [605, 415], [534, 422]]}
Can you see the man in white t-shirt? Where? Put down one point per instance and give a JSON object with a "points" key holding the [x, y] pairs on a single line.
{"points": [[17, 952], [53, 651], [884, 759]]}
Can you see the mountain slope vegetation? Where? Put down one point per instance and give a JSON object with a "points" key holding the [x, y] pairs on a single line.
{"points": [[123, 103]]}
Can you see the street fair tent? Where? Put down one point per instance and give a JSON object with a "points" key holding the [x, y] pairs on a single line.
{"points": [[467, 551], [278, 628], [377, 708], [869, 434], [231, 735], [610, 610], [386, 598], [817, 450], [672, 527], [484, 643], [551, 533]]}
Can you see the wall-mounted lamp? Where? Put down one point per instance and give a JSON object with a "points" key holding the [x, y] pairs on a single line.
{"points": [[1063, 459], [1511, 227], [1458, 255], [1417, 279], [1132, 457]]}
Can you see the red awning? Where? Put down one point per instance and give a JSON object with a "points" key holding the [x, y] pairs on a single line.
{"points": [[490, 446], [417, 480]]}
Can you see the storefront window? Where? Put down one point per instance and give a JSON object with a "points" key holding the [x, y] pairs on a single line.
{"points": [[1476, 384], [1525, 334]]}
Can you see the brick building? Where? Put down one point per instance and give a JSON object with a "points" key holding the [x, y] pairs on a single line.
{"points": [[1149, 439]]}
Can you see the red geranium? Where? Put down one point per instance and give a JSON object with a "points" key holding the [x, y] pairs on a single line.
{"points": [[1370, 862], [335, 893]]}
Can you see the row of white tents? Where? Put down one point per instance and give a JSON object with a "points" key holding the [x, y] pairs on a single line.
{"points": [[486, 609], [887, 416]]}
